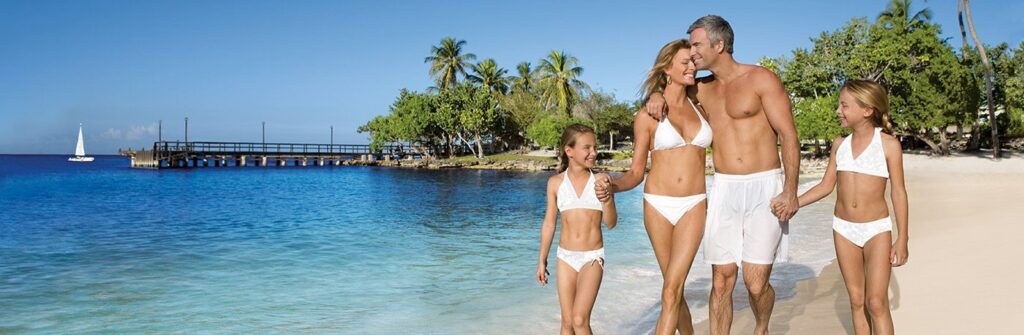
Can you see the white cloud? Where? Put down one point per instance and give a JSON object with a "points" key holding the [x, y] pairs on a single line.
{"points": [[111, 134], [139, 132]]}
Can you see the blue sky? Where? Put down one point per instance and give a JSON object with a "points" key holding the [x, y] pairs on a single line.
{"points": [[302, 66]]}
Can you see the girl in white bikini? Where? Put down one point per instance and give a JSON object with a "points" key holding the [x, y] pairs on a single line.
{"points": [[580, 244], [860, 165]]}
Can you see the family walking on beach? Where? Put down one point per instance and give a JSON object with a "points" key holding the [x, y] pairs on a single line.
{"points": [[743, 113]]}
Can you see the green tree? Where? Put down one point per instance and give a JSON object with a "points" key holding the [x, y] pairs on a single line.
{"points": [[381, 132], [1010, 86], [607, 115], [591, 104], [815, 118], [447, 62], [547, 131], [813, 78], [617, 119], [559, 81], [471, 111], [447, 107], [835, 57], [897, 16], [525, 79], [929, 87], [489, 76], [520, 109], [412, 121]]}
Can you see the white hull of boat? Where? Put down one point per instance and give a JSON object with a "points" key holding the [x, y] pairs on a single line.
{"points": [[81, 159]]}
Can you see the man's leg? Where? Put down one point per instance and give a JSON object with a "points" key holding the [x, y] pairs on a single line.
{"points": [[763, 237], [762, 295], [720, 302]]}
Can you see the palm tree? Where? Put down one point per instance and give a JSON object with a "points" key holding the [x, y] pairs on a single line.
{"points": [[897, 14], [558, 80], [960, 20], [490, 76], [447, 61], [525, 81], [975, 141], [988, 77]]}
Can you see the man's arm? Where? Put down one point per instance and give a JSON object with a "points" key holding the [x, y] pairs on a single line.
{"points": [[779, 111], [656, 106]]}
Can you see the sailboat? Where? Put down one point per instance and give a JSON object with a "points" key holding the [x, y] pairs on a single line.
{"points": [[80, 149]]}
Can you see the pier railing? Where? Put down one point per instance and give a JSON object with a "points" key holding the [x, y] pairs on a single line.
{"points": [[282, 149], [183, 154]]}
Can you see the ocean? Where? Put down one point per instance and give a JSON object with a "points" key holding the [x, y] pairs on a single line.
{"points": [[103, 248]]}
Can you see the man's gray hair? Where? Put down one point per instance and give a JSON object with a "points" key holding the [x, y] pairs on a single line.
{"points": [[718, 30]]}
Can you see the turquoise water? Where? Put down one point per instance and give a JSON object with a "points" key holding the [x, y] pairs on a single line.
{"points": [[104, 248]]}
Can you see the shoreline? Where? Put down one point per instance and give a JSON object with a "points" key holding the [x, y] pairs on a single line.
{"points": [[809, 167], [964, 200]]}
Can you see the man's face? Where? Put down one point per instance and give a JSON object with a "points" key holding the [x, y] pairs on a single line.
{"points": [[702, 52]]}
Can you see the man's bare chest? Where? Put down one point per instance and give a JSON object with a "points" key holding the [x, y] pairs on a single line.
{"points": [[727, 104]]}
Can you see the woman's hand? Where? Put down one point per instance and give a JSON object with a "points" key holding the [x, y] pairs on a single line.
{"points": [[602, 186]]}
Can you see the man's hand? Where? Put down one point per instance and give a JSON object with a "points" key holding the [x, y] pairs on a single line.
{"points": [[784, 206], [656, 106]]}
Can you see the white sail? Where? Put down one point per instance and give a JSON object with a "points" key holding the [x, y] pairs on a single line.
{"points": [[80, 148]]}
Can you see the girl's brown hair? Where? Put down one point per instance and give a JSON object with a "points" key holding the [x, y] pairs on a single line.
{"points": [[569, 136], [870, 94]]}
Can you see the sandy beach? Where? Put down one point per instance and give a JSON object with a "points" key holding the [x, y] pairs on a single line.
{"points": [[965, 215]]}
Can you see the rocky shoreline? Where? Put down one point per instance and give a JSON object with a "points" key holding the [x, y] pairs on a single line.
{"points": [[808, 165]]}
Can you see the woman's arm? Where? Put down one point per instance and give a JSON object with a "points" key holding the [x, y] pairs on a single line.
{"points": [[828, 181], [547, 229], [898, 195], [641, 147]]}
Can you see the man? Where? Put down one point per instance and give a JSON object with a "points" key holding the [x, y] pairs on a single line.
{"points": [[750, 113]]}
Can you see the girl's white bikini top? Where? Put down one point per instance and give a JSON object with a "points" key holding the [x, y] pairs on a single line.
{"points": [[870, 162], [567, 198]]}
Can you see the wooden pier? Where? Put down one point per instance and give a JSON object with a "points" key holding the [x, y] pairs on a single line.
{"points": [[176, 154]]}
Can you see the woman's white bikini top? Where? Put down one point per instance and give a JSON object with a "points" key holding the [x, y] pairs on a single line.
{"points": [[870, 162], [567, 198], [666, 137]]}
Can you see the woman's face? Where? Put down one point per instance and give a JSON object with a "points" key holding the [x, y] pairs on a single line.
{"points": [[681, 70], [584, 153]]}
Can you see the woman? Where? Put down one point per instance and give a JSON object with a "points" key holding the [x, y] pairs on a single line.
{"points": [[674, 200]]}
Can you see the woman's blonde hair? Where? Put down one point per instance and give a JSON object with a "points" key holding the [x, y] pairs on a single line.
{"points": [[870, 94], [656, 79], [569, 136]]}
